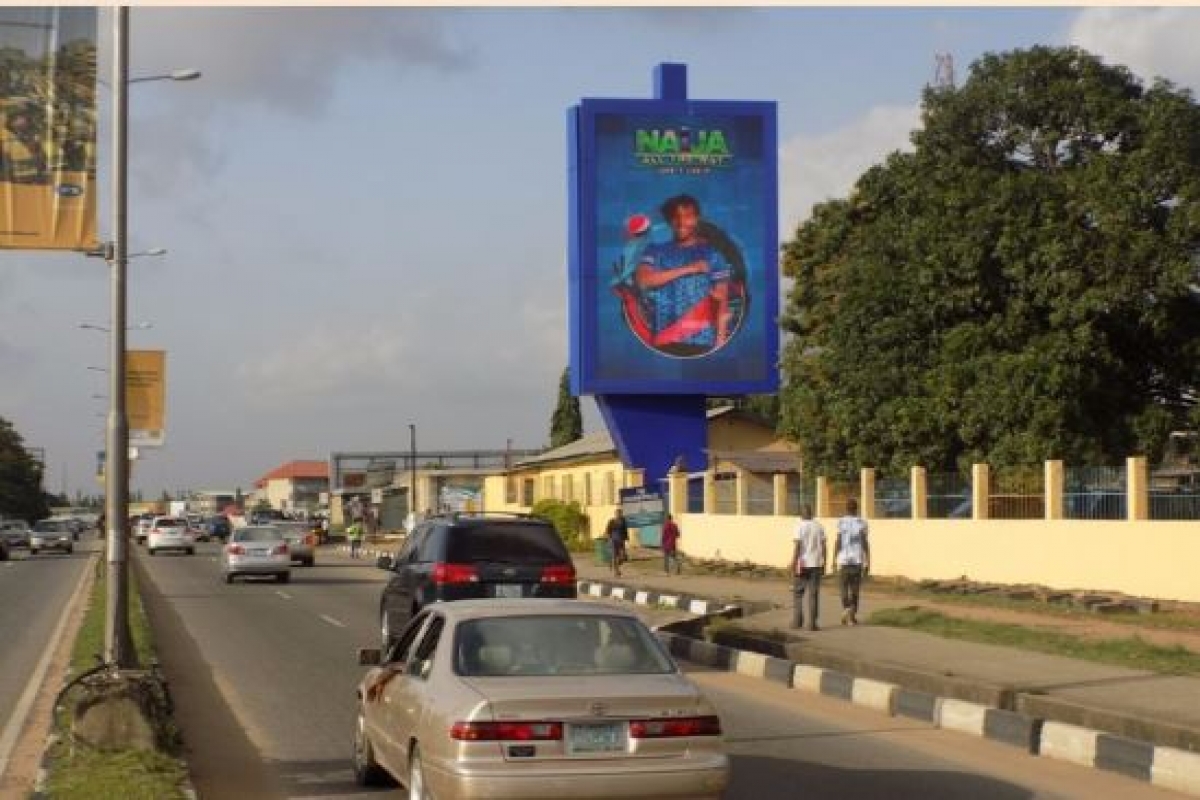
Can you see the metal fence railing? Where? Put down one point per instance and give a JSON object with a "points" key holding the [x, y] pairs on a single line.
{"points": [[893, 498], [1017, 493], [725, 493], [1180, 502], [948, 496], [801, 491], [760, 497], [1094, 493]]}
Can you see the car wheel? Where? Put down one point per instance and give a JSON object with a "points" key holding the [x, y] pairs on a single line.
{"points": [[33, 551], [284, 577], [367, 771], [229, 577], [70, 550], [416, 776], [308, 562], [191, 551], [152, 551]]}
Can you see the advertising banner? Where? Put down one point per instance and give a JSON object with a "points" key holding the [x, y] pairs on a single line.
{"points": [[645, 510], [145, 396], [48, 128], [675, 277]]}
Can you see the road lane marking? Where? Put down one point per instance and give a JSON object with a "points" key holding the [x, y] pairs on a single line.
{"points": [[283, 594], [335, 623], [16, 722]]}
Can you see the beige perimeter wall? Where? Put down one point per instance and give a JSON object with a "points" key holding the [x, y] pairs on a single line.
{"points": [[1149, 559]]}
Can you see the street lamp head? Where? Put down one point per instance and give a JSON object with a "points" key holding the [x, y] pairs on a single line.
{"points": [[185, 75], [153, 251]]}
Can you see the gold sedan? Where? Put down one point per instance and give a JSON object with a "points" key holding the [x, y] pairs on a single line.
{"points": [[534, 699]]}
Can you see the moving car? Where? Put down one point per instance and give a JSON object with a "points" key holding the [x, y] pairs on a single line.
{"points": [[534, 699], [5, 550], [51, 534], [257, 550], [301, 541], [142, 530], [218, 527], [465, 556], [15, 533], [170, 533]]}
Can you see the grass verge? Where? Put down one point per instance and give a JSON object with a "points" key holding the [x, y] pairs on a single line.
{"points": [[1128, 652], [78, 773]]}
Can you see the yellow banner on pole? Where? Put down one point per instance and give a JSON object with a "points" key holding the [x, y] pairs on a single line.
{"points": [[48, 128], [146, 396]]}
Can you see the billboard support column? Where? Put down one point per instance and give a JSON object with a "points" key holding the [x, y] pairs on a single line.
{"points": [[653, 431]]}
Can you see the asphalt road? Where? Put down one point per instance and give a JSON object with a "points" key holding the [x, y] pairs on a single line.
{"points": [[264, 675], [34, 592]]}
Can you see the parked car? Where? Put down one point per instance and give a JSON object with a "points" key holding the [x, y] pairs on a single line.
{"points": [[460, 557], [301, 541], [218, 527], [5, 550], [51, 534], [142, 531], [534, 698], [170, 533], [15, 533], [257, 550]]}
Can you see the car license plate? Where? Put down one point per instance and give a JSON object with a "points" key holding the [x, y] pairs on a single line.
{"points": [[602, 737], [257, 552], [510, 590]]}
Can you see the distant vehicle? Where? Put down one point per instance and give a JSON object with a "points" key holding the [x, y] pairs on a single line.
{"points": [[5, 550], [218, 527], [143, 528], [51, 534], [301, 541], [257, 550], [266, 516], [534, 698], [170, 533], [460, 557], [15, 533]]}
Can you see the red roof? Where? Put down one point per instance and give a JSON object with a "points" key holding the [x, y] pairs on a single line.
{"points": [[294, 470]]}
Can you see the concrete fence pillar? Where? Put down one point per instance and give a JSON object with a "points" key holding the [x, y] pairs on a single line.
{"points": [[779, 487], [1054, 489], [741, 488], [635, 478], [866, 492], [677, 485], [981, 490], [823, 501], [919, 489], [710, 492], [1137, 488]]}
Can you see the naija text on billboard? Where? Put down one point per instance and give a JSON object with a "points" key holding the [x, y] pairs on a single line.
{"points": [[675, 247], [48, 128]]}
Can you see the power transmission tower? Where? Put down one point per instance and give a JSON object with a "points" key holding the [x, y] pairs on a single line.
{"points": [[943, 74]]}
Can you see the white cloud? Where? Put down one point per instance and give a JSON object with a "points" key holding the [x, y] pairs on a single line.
{"points": [[1153, 42], [822, 166]]}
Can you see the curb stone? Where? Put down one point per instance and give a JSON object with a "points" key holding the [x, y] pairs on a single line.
{"points": [[1166, 767]]}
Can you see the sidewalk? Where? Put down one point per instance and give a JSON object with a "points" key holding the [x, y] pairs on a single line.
{"points": [[1138, 704]]}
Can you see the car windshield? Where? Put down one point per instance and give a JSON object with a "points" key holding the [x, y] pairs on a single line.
{"points": [[170, 523], [557, 645], [50, 526], [538, 544], [261, 534]]}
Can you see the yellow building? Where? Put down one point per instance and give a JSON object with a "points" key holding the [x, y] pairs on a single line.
{"points": [[589, 472]]}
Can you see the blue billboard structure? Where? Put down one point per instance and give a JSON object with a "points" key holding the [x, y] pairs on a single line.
{"points": [[674, 275]]}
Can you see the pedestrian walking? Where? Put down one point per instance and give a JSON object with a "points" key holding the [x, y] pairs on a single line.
{"points": [[852, 552], [670, 546], [617, 532], [808, 567], [355, 536]]}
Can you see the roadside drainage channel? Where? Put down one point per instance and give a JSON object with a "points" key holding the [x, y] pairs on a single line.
{"points": [[1166, 767]]}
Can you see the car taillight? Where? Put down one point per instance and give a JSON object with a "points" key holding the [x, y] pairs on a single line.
{"points": [[444, 572], [558, 574], [310, 540], [507, 731], [280, 550], [235, 550], [672, 728]]}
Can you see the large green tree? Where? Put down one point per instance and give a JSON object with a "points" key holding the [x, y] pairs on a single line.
{"points": [[1022, 285], [566, 424], [21, 494]]}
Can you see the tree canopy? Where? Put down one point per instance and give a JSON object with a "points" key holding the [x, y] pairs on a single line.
{"points": [[566, 424], [1021, 286], [21, 494]]}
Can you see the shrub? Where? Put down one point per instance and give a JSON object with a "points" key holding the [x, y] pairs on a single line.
{"points": [[568, 519]]}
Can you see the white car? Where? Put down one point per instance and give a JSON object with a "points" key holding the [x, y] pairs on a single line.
{"points": [[170, 533], [257, 550]]}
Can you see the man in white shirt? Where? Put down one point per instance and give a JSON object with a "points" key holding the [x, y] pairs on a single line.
{"points": [[808, 565], [852, 552]]}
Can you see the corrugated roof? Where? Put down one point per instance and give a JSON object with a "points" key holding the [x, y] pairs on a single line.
{"points": [[593, 444], [760, 461], [294, 470]]}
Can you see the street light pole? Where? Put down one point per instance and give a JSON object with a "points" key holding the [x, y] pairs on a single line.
{"points": [[412, 467], [118, 644]]}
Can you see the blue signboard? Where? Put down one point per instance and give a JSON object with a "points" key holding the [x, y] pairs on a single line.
{"points": [[645, 510], [674, 277]]}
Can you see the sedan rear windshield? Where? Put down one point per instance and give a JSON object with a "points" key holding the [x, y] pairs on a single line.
{"points": [[50, 527], [257, 535], [557, 645], [523, 544], [170, 523]]}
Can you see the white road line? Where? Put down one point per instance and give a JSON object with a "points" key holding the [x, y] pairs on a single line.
{"points": [[16, 722], [335, 623], [283, 594]]}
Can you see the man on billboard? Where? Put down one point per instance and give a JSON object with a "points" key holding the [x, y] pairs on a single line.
{"points": [[686, 295]]}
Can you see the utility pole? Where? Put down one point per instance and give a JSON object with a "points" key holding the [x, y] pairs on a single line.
{"points": [[118, 644], [412, 468]]}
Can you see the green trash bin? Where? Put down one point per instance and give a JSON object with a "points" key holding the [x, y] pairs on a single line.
{"points": [[604, 550]]}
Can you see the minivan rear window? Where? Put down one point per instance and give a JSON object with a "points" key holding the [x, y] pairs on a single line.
{"points": [[538, 544]]}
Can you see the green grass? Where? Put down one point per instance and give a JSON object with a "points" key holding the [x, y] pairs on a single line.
{"points": [[83, 774], [1129, 652]]}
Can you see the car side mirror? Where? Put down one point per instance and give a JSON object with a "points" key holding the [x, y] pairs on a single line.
{"points": [[385, 562], [369, 657]]}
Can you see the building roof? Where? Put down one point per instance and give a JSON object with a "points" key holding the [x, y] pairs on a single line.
{"points": [[294, 470], [759, 461]]}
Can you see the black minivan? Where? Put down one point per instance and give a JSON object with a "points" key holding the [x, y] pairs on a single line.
{"points": [[466, 556]]}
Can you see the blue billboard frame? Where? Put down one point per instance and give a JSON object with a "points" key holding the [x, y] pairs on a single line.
{"points": [[583, 206]]}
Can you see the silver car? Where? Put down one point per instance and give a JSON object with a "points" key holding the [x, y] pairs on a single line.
{"points": [[51, 534], [300, 541], [15, 533], [257, 550]]}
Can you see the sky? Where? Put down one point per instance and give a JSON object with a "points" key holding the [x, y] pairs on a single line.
{"points": [[365, 209]]}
